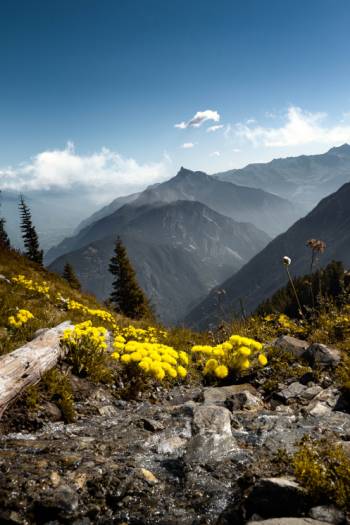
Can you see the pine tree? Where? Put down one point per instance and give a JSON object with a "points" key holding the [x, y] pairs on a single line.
{"points": [[4, 239], [29, 235], [70, 276], [127, 297]]}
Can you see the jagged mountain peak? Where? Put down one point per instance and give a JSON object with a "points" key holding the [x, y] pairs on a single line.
{"points": [[344, 149]]}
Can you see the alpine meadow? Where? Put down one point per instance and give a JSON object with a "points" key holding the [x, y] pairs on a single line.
{"points": [[175, 262]]}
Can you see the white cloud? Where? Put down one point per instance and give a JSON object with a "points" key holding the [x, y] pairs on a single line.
{"points": [[215, 154], [199, 118], [65, 169], [211, 129], [236, 150], [300, 127], [187, 145]]}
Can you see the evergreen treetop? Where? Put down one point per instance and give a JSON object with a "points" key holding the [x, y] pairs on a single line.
{"points": [[29, 235], [4, 238], [127, 297], [70, 276]]}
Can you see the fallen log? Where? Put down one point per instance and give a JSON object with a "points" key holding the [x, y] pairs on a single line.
{"points": [[25, 366]]}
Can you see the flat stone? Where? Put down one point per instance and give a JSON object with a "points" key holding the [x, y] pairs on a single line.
{"points": [[218, 395], [327, 514], [322, 355], [310, 392], [318, 409], [211, 419], [291, 344], [243, 401], [294, 390], [275, 497]]}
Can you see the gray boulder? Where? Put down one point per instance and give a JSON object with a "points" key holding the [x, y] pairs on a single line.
{"points": [[291, 344], [275, 497], [322, 355]]}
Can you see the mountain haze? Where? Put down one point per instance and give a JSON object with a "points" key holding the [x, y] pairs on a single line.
{"points": [[264, 274], [305, 179], [267, 212]]}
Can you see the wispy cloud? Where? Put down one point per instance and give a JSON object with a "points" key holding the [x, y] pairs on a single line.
{"points": [[199, 118], [64, 170], [211, 129], [215, 154], [300, 127], [187, 145]]}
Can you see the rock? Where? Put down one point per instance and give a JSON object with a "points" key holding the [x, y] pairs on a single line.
{"points": [[275, 497], [148, 476], [322, 355], [107, 410], [318, 409], [243, 401], [287, 521], [310, 392], [152, 425], [212, 434], [171, 445], [327, 514], [52, 411], [293, 345], [61, 501], [209, 419], [324, 402], [218, 395], [294, 390]]}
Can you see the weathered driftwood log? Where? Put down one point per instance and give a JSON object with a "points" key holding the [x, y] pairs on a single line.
{"points": [[26, 365]]}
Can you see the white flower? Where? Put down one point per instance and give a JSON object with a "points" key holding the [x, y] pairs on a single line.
{"points": [[286, 260]]}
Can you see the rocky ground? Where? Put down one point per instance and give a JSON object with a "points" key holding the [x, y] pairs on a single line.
{"points": [[195, 456]]}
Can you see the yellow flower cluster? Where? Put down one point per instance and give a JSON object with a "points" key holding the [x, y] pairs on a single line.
{"points": [[148, 335], [83, 332], [29, 284], [21, 318], [154, 359], [101, 314], [284, 323], [236, 354]]}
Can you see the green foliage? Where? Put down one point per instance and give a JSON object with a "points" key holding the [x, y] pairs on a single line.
{"points": [[58, 386], [4, 239], [314, 290], [70, 276], [282, 365], [29, 235], [127, 296], [86, 351], [323, 469]]}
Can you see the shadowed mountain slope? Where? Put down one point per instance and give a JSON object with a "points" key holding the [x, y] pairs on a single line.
{"points": [[264, 274], [180, 251]]}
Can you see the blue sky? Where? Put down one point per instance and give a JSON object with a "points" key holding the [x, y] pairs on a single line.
{"points": [[114, 77]]}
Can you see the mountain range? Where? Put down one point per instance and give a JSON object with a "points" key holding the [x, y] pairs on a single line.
{"points": [[180, 250], [305, 179], [267, 212], [265, 273]]}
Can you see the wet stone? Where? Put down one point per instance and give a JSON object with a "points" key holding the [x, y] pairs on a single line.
{"points": [[275, 497]]}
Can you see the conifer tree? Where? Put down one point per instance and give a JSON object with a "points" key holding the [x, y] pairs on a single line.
{"points": [[127, 297], [4, 238], [70, 276], [29, 235]]}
